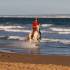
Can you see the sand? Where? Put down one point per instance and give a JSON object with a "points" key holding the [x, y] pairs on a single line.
{"points": [[13, 61]]}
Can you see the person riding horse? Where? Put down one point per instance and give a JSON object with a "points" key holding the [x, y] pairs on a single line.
{"points": [[35, 35], [35, 27]]}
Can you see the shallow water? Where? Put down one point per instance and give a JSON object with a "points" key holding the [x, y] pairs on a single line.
{"points": [[59, 44]]}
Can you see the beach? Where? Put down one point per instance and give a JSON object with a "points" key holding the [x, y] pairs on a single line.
{"points": [[53, 53], [13, 61]]}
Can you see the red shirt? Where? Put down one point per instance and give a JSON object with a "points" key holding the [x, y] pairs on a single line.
{"points": [[34, 24]]}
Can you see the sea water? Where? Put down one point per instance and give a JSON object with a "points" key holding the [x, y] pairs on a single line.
{"points": [[55, 36]]}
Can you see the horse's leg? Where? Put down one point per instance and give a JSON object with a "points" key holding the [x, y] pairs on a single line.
{"points": [[30, 37], [35, 36]]}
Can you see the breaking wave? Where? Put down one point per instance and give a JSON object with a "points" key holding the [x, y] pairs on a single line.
{"points": [[60, 30]]}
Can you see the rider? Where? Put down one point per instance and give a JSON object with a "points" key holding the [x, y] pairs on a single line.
{"points": [[35, 27]]}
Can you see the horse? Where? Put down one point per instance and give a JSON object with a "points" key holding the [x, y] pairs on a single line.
{"points": [[35, 38]]}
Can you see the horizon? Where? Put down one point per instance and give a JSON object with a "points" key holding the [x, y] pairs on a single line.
{"points": [[40, 16]]}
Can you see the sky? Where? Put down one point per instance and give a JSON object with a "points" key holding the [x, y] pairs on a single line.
{"points": [[34, 7]]}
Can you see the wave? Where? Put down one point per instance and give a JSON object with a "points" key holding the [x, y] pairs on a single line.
{"points": [[65, 41], [60, 30], [16, 38], [56, 40], [46, 25], [10, 26], [25, 28], [16, 28], [42, 31], [8, 51], [43, 39]]}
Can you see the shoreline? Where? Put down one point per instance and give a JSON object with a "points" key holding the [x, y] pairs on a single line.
{"points": [[36, 59], [13, 61]]}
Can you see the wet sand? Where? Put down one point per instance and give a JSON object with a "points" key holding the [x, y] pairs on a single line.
{"points": [[13, 61]]}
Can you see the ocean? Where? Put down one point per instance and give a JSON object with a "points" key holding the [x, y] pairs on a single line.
{"points": [[55, 36]]}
